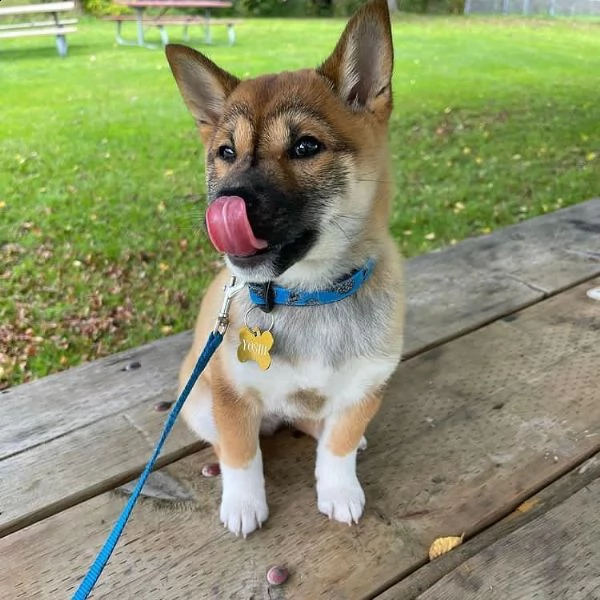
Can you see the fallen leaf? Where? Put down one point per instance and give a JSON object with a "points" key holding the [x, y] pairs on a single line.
{"points": [[444, 544], [527, 505]]}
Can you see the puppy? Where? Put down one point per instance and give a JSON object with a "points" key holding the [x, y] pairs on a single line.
{"points": [[299, 195]]}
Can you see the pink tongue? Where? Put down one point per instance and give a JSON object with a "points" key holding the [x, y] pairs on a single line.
{"points": [[229, 229]]}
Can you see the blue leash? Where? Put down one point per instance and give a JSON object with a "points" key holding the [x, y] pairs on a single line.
{"points": [[94, 572]]}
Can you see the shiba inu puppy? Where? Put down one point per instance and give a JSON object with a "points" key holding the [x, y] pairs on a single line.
{"points": [[299, 194]]}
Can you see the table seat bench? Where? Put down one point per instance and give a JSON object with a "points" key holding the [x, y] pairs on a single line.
{"points": [[56, 27], [186, 21]]}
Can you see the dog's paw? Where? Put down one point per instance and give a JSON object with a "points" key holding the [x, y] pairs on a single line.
{"points": [[243, 513], [362, 445], [344, 503]]}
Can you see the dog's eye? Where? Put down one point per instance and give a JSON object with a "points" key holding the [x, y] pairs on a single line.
{"points": [[306, 147], [227, 153]]}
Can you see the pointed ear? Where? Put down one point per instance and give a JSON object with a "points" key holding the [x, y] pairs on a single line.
{"points": [[361, 65], [203, 85]]}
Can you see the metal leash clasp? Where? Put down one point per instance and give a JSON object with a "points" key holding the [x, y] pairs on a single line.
{"points": [[223, 319]]}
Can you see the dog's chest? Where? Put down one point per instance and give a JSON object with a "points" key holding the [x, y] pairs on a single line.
{"points": [[309, 388], [317, 368]]}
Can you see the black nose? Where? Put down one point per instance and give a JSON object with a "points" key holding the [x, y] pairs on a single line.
{"points": [[262, 208]]}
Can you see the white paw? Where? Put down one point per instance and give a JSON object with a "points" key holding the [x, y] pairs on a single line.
{"points": [[343, 502], [244, 501], [362, 445], [243, 512]]}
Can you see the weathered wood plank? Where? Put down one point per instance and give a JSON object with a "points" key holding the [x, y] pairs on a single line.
{"points": [[474, 282], [555, 556], [449, 293], [50, 407], [68, 470], [432, 571], [467, 431]]}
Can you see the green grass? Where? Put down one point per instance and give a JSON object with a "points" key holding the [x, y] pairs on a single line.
{"points": [[101, 185]]}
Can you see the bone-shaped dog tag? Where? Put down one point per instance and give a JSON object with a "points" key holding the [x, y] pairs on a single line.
{"points": [[255, 346]]}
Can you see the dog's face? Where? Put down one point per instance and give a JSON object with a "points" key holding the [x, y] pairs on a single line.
{"points": [[294, 160]]}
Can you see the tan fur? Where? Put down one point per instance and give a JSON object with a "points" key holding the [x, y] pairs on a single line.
{"points": [[351, 426], [309, 427], [238, 421], [308, 401]]}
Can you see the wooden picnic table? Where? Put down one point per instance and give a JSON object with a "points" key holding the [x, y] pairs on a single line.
{"points": [[490, 428], [140, 8]]}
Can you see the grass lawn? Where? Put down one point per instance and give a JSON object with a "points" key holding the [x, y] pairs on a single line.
{"points": [[101, 185]]}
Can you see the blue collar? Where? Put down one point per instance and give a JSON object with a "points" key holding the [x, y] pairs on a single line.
{"points": [[266, 295]]}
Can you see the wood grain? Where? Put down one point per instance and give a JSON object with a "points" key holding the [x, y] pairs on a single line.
{"points": [[48, 408], [554, 556], [430, 572], [471, 284], [467, 431], [110, 452]]}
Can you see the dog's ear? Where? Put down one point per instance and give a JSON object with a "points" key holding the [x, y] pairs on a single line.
{"points": [[203, 85], [361, 65]]}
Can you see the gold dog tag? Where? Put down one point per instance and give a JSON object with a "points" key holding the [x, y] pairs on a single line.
{"points": [[255, 346]]}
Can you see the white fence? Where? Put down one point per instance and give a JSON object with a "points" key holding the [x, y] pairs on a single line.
{"points": [[553, 8]]}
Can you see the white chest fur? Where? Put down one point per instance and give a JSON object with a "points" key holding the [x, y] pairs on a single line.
{"points": [[309, 388]]}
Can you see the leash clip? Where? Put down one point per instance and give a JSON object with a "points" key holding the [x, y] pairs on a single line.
{"points": [[223, 319]]}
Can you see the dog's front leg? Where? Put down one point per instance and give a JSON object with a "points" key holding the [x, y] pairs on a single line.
{"points": [[339, 493], [243, 503]]}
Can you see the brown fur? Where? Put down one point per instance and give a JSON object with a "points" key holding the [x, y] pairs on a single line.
{"points": [[351, 426], [309, 401]]}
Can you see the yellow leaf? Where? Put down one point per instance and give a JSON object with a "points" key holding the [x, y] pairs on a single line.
{"points": [[459, 206], [2, 204], [466, 150], [479, 160], [161, 207], [444, 544], [163, 267], [169, 173], [590, 156], [430, 236], [485, 230], [527, 505]]}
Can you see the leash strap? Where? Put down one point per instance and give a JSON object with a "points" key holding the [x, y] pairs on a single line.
{"points": [[264, 295], [103, 556]]}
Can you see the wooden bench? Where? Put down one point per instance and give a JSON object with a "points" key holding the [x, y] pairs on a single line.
{"points": [[186, 21], [490, 428], [57, 27]]}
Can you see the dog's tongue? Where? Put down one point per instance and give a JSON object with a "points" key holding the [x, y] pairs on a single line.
{"points": [[229, 229]]}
